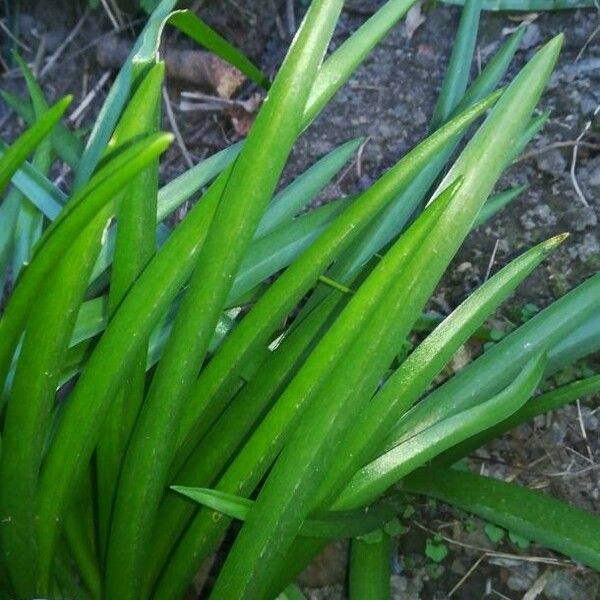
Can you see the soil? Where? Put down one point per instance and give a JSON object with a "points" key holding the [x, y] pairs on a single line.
{"points": [[389, 101]]}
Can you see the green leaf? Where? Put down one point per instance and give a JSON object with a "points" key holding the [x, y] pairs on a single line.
{"points": [[38, 189], [143, 54], [498, 366], [134, 246], [18, 152], [536, 406], [370, 569], [436, 551], [494, 533], [192, 26], [531, 515], [459, 69], [65, 143], [416, 373], [291, 201], [329, 525], [254, 176], [31, 403], [76, 215], [376, 477], [496, 203], [29, 222], [345, 60]]}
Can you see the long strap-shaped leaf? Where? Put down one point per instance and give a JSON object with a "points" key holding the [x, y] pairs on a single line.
{"points": [[497, 367], [59, 236], [18, 152], [31, 404], [535, 516], [375, 478], [413, 377], [276, 516], [328, 525], [254, 177], [459, 69], [252, 462], [539, 405], [134, 246]]}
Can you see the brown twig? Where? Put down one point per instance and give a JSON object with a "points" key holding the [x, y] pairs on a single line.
{"points": [[59, 51], [176, 130]]}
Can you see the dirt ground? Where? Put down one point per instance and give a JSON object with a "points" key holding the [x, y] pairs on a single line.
{"points": [[389, 101]]}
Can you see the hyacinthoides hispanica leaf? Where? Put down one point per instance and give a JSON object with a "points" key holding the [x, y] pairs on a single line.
{"points": [[459, 69], [499, 365], [57, 238], [533, 515], [254, 177], [252, 462], [370, 568], [539, 405], [162, 281], [18, 152], [276, 516], [415, 374], [30, 408], [134, 246], [375, 478], [328, 525], [29, 221]]}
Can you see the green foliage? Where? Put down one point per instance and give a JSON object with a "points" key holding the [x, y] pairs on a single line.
{"points": [[203, 389], [496, 534], [436, 550]]}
